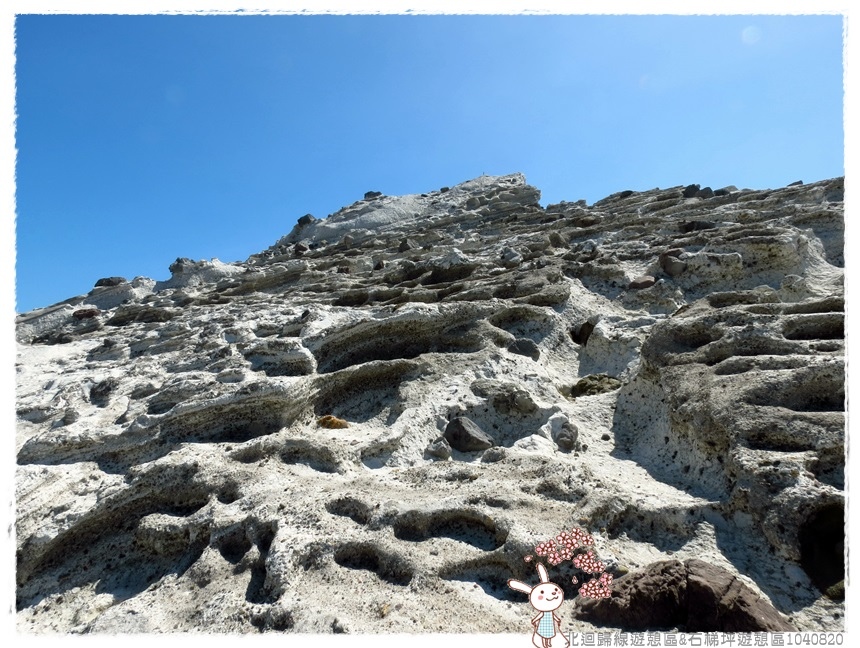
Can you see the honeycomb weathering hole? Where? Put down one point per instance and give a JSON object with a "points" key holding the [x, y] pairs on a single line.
{"points": [[366, 557], [825, 326], [372, 341], [492, 578], [475, 530], [822, 546], [350, 507]]}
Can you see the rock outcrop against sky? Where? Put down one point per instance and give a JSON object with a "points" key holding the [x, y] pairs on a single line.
{"points": [[370, 425]]}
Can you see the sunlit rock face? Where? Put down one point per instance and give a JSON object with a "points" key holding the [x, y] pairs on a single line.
{"points": [[368, 426]]}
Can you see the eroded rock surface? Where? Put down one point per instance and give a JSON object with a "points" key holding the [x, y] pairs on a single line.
{"points": [[234, 448]]}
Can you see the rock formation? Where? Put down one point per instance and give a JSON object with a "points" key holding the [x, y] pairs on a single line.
{"points": [[390, 406]]}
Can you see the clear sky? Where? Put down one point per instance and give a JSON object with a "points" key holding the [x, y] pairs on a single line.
{"points": [[146, 138]]}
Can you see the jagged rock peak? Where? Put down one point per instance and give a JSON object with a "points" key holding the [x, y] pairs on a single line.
{"points": [[381, 214]]}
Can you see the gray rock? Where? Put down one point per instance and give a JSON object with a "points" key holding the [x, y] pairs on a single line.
{"points": [[511, 258], [671, 264], [101, 391], [493, 455], [464, 435], [556, 240], [70, 416], [306, 220], [110, 281], [691, 190], [567, 437], [439, 448]]}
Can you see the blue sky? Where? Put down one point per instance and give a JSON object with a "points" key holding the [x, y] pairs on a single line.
{"points": [[146, 138]]}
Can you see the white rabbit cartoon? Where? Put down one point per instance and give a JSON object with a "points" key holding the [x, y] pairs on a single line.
{"points": [[545, 597]]}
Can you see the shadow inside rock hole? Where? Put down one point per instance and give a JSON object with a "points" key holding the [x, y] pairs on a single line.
{"points": [[821, 541], [524, 321], [390, 341], [366, 556], [464, 526], [492, 575], [822, 546], [104, 551], [491, 579], [667, 529], [505, 427], [362, 394], [119, 461], [227, 424]]}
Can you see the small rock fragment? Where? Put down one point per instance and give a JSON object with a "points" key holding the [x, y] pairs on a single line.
{"points": [[567, 437], [492, 455], [671, 264], [645, 281], [332, 422], [439, 448], [511, 258]]}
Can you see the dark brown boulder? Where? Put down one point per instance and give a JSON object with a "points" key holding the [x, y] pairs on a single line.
{"points": [[86, 313], [652, 598], [693, 596]]}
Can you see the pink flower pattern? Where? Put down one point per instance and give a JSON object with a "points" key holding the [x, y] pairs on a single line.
{"points": [[570, 545]]}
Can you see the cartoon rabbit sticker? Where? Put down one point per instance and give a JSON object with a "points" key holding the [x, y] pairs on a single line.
{"points": [[545, 597]]}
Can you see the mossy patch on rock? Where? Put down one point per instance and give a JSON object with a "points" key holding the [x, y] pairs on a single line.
{"points": [[594, 384], [332, 422]]}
